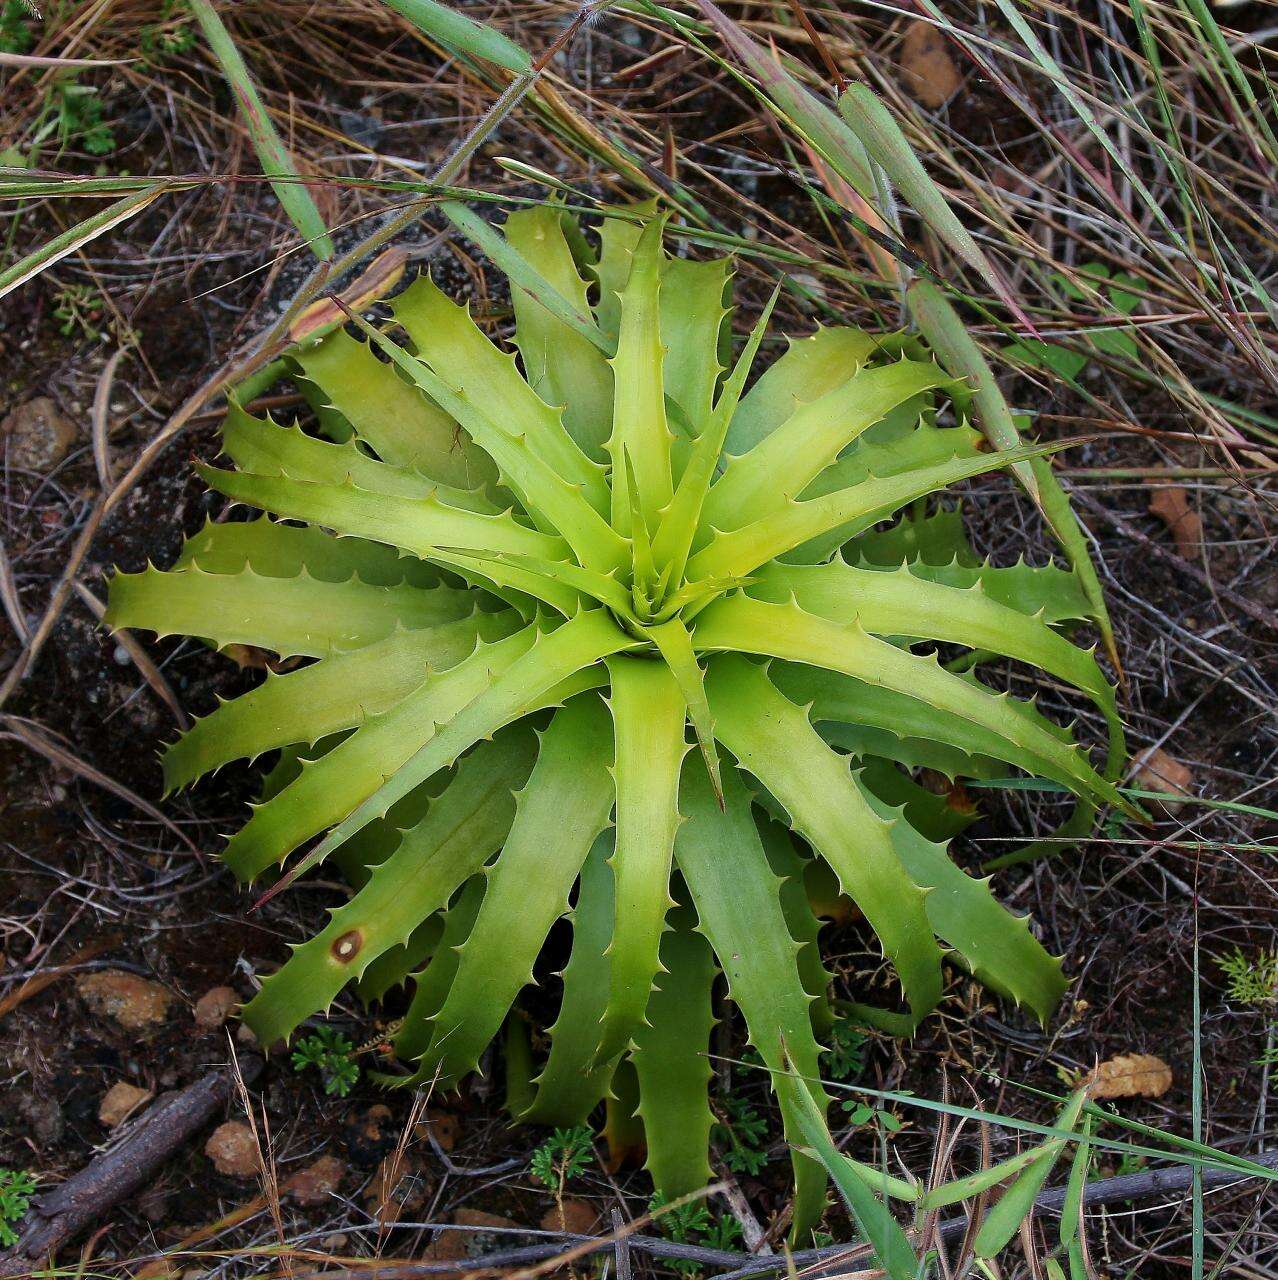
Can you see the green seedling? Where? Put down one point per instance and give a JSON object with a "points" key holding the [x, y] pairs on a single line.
{"points": [[17, 1186], [332, 1055], [565, 1155]]}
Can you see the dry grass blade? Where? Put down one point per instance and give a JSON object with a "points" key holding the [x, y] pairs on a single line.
{"points": [[9, 597], [101, 413], [139, 657], [276, 162], [30, 735], [9, 59], [77, 237]]}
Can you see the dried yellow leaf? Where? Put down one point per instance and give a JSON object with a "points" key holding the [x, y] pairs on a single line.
{"points": [[1131, 1075]]}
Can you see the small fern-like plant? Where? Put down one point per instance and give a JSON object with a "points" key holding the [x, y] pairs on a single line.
{"points": [[597, 634]]}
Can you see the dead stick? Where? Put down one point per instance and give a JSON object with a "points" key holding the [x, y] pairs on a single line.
{"points": [[1172, 1181], [92, 1193], [1266, 617]]}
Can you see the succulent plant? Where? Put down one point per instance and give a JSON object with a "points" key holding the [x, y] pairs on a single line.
{"points": [[597, 634]]}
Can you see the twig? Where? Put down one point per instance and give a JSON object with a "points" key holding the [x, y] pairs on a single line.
{"points": [[37, 739], [1266, 617], [1133, 1186], [92, 1193], [623, 1246], [38, 981]]}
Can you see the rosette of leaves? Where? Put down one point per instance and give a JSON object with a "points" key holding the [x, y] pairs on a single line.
{"points": [[595, 634]]}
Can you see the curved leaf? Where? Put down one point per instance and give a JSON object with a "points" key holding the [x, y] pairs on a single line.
{"points": [[294, 617], [558, 815], [672, 1058], [337, 693], [739, 910], [461, 830], [772, 738], [570, 1085]]}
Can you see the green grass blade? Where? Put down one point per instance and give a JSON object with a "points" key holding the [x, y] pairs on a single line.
{"points": [[272, 154], [455, 31]]}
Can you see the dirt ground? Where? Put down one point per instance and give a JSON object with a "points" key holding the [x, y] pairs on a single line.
{"points": [[98, 887]]}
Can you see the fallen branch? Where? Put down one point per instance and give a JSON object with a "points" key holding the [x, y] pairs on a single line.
{"points": [[1174, 1180], [89, 1195], [1257, 612]]}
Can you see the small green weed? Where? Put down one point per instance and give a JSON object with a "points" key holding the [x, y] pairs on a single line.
{"points": [[1252, 979], [77, 110], [692, 1223], [1103, 1166], [16, 1189], [845, 1058], [565, 1154], [78, 307], [15, 30], [333, 1056], [170, 37], [741, 1132], [860, 1114], [1069, 364]]}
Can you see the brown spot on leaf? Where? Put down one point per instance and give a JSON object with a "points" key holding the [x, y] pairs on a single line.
{"points": [[348, 946]]}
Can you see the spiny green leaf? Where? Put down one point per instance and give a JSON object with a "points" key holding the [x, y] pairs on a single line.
{"points": [[649, 719], [639, 414], [772, 738], [770, 536], [392, 415], [290, 616], [739, 910], [786, 631], [569, 1086], [276, 550], [782, 465], [327, 697], [562, 366], [672, 1058], [558, 815], [460, 831]]}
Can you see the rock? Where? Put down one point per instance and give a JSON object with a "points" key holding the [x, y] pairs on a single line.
{"points": [[214, 1007], [137, 1004], [317, 1182], [443, 1125], [455, 1246], [233, 1150], [397, 1188], [577, 1217], [42, 1117], [37, 435], [928, 70], [120, 1101], [1158, 771]]}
